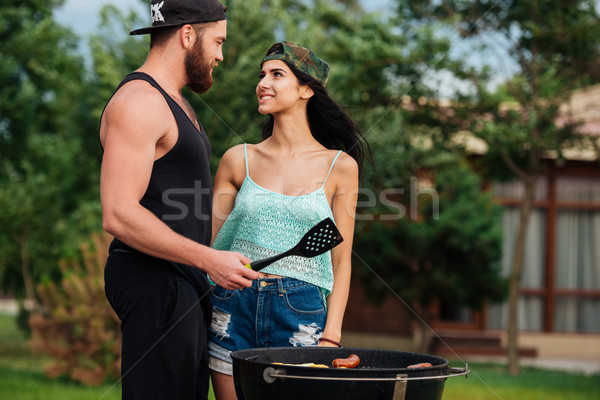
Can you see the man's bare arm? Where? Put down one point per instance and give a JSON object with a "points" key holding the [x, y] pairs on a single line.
{"points": [[132, 137]]}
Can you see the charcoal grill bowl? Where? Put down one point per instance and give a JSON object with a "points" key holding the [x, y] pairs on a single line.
{"points": [[382, 375]]}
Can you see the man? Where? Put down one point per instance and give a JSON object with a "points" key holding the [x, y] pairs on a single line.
{"points": [[156, 193]]}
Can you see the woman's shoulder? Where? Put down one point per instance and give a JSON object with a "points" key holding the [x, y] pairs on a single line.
{"points": [[234, 152], [344, 173], [345, 162], [233, 163], [235, 155]]}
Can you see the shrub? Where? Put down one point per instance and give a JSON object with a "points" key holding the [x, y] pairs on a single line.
{"points": [[76, 326]]}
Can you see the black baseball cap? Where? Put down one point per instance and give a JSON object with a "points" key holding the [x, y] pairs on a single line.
{"points": [[168, 13]]}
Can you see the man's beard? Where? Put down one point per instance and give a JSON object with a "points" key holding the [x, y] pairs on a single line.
{"points": [[198, 70]]}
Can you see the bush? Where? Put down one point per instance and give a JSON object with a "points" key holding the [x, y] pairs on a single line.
{"points": [[76, 326]]}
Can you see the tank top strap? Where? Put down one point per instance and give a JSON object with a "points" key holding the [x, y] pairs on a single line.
{"points": [[331, 168], [132, 76], [246, 158], [177, 111]]}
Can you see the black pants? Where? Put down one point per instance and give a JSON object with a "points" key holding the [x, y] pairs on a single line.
{"points": [[164, 352]]}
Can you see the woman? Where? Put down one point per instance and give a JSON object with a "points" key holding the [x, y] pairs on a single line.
{"points": [[267, 196]]}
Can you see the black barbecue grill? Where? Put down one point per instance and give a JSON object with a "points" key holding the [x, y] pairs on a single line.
{"points": [[269, 374]]}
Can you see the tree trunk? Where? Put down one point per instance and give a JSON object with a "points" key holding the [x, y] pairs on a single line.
{"points": [[27, 279], [421, 338], [516, 274]]}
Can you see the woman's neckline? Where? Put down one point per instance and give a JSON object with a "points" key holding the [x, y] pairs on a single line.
{"points": [[249, 178]]}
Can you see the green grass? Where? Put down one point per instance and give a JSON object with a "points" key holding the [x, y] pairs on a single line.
{"points": [[492, 381], [22, 378]]}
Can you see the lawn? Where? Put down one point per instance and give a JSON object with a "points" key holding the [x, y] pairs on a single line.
{"points": [[21, 378], [491, 381]]}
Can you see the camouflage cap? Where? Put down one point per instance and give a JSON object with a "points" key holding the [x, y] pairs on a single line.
{"points": [[301, 58]]}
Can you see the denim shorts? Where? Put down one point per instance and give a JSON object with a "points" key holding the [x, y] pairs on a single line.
{"points": [[274, 312]]}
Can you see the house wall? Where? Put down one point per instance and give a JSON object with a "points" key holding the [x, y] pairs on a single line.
{"points": [[565, 346], [387, 326], [362, 316]]}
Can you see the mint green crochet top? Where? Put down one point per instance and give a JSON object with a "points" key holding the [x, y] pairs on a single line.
{"points": [[264, 223]]}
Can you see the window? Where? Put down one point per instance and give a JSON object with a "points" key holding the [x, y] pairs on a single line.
{"points": [[577, 278], [561, 278]]}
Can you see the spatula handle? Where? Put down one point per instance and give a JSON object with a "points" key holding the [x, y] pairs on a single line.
{"points": [[265, 262]]}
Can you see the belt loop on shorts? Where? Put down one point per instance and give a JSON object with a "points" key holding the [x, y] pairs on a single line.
{"points": [[280, 288]]}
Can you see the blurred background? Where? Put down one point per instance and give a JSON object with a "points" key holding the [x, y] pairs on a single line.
{"points": [[478, 219]]}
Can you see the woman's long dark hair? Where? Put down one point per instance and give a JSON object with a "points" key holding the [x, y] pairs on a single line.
{"points": [[328, 123]]}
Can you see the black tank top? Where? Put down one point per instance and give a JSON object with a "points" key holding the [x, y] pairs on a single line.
{"points": [[179, 192], [180, 187]]}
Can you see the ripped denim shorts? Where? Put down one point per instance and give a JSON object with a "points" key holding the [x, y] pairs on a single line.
{"points": [[274, 312]]}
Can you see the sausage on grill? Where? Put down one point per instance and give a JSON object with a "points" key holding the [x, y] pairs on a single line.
{"points": [[351, 362]]}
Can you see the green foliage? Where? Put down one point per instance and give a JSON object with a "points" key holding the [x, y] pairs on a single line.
{"points": [[553, 48], [33, 203], [361, 49], [372, 61], [444, 243], [434, 236], [47, 173], [37, 55], [113, 59], [77, 326]]}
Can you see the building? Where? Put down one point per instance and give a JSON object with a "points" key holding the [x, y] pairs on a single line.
{"points": [[559, 310]]}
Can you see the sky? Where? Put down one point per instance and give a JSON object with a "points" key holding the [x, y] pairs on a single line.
{"points": [[82, 15]]}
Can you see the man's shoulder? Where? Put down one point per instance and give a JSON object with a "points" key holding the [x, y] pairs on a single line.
{"points": [[137, 110], [136, 93]]}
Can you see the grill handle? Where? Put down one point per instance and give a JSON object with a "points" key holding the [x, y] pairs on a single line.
{"points": [[271, 374]]}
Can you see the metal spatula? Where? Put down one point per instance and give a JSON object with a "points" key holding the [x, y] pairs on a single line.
{"points": [[321, 238]]}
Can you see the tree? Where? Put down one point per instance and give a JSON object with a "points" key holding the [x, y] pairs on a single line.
{"points": [[32, 213], [112, 59], [554, 49], [42, 131], [362, 48], [437, 235], [35, 52]]}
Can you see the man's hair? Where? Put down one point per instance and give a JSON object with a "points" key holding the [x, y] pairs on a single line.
{"points": [[160, 36]]}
